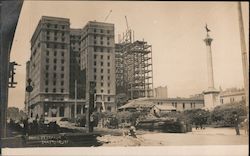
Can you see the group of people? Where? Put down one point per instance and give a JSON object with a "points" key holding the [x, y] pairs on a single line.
{"points": [[37, 126]]}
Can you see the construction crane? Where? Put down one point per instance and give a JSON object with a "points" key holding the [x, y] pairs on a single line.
{"points": [[127, 22], [107, 16]]}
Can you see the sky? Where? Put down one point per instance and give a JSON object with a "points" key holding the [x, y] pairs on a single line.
{"points": [[174, 29]]}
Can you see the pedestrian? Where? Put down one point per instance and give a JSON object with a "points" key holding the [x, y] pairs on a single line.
{"points": [[25, 126], [236, 123]]}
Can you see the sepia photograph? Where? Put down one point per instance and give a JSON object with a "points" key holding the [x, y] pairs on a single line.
{"points": [[124, 78]]}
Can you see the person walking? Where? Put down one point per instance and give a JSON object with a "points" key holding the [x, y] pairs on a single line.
{"points": [[236, 123]]}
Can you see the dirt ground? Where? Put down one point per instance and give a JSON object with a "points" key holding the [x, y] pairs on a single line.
{"points": [[208, 136]]}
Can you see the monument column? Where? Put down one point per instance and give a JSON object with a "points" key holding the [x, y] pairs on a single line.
{"points": [[211, 94]]}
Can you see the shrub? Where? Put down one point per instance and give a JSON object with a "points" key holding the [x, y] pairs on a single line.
{"points": [[223, 115]]}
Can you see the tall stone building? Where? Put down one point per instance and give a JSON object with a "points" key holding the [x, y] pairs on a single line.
{"points": [[98, 59], [49, 70]]}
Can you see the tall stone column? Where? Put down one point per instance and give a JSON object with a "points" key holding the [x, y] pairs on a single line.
{"points": [[211, 94]]}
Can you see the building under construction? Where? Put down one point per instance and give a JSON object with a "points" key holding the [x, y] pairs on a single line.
{"points": [[134, 70]]}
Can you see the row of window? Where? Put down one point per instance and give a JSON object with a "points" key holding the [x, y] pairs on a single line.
{"points": [[101, 42], [54, 82], [54, 90], [55, 60], [54, 75], [96, 49], [55, 53], [101, 56], [95, 70], [55, 67], [101, 37], [102, 77], [54, 45], [101, 30], [56, 39], [101, 63], [49, 25]]}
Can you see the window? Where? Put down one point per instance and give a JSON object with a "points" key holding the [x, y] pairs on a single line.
{"points": [[101, 91], [62, 68], [46, 82], [95, 56], [108, 71], [94, 42], [55, 38], [109, 108], [108, 31], [108, 57], [54, 75], [108, 84], [62, 61], [62, 83], [61, 111], [101, 42], [47, 60], [54, 90], [94, 70], [95, 49], [47, 75], [101, 31], [102, 84], [62, 75], [62, 90], [54, 67], [183, 105], [108, 38], [55, 60], [95, 63], [101, 77], [108, 98], [94, 36], [101, 70], [107, 43], [62, 53], [101, 63], [55, 25], [108, 91], [101, 56], [94, 30], [48, 38], [101, 49], [95, 77], [47, 53], [108, 77], [108, 64], [54, 83], [47, 67], [46, 90], [63, 26]]}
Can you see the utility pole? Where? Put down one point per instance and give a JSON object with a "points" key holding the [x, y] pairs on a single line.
{"points": [[245, 65], [75, 100]]}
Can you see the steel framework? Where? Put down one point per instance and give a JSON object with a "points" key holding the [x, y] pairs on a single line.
{"points": [[134, 67]]}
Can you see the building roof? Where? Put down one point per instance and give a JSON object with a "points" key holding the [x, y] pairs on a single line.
{"points": [[165, 107], [138, 103]]}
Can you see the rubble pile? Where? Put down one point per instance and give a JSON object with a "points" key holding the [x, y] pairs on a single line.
{"points": [[109, 140]]}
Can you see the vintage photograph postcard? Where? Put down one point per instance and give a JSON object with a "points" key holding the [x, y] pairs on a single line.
{"points": [[124, 78]]}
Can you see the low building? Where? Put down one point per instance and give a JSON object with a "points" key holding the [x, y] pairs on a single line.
{"points": [[232, 95], [180, 104]]}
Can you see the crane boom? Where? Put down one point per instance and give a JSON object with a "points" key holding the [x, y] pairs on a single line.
{"points": [[107, 16], [126, 22]]}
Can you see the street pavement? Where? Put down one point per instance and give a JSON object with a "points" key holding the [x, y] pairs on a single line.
{"points": [[208, 136]]}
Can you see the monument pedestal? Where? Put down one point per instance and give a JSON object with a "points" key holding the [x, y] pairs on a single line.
{"points": [[211, 98]]}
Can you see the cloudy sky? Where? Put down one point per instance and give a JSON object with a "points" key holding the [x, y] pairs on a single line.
{"points": [[174, 29]]}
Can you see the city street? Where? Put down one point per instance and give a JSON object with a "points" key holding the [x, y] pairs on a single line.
{"points": [[209, 136]]}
